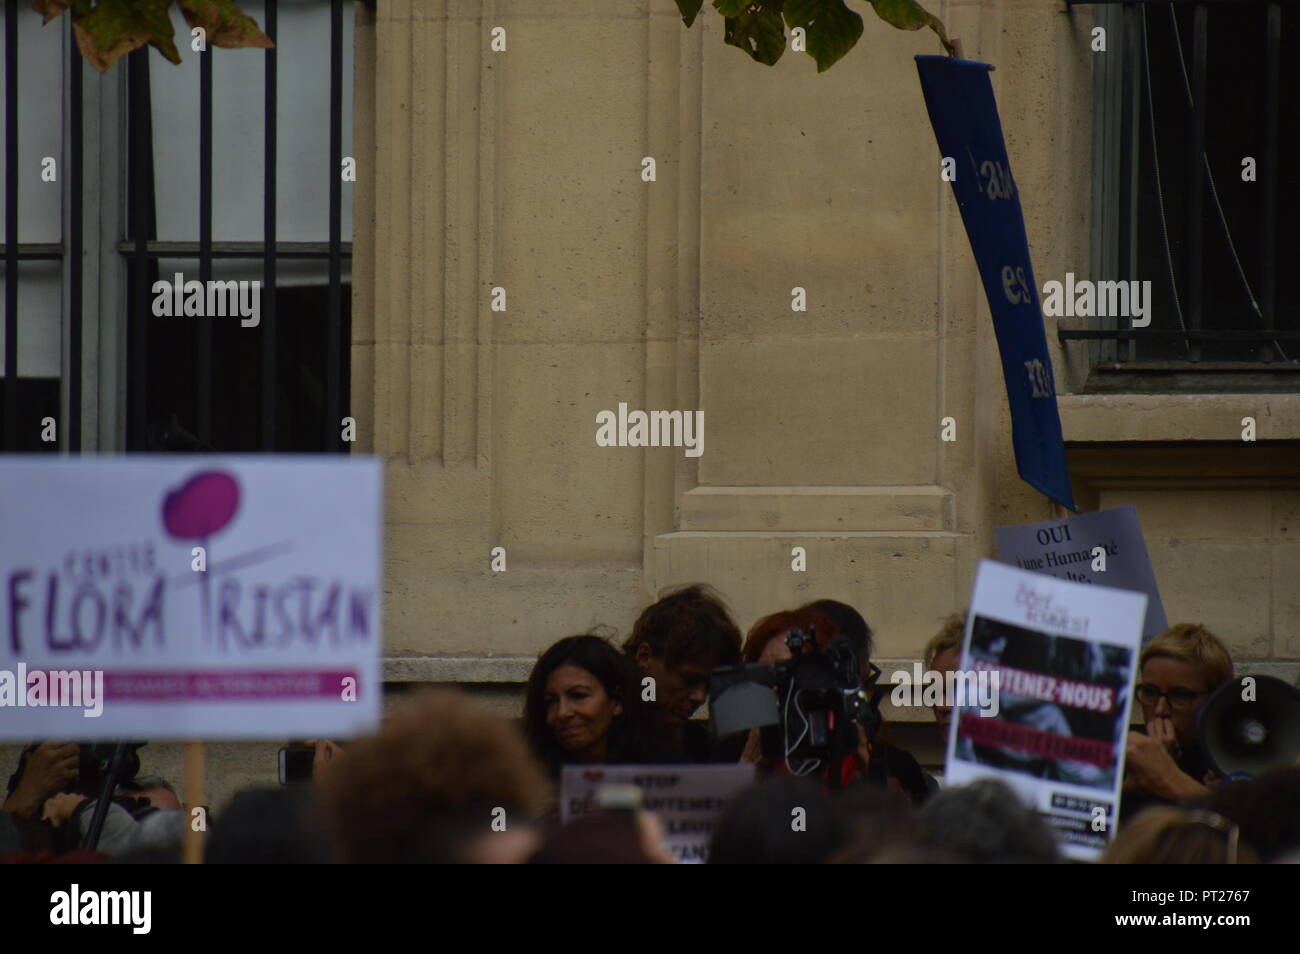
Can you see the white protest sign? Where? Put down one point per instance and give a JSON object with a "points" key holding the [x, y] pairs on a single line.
{"points": [[189, 597], [1103, 547], [1065, 657], [687, 798]]}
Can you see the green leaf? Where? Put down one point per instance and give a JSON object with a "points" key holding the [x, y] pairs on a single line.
{"points": [[731, 8], [225, 24], [689, 9], [49, 9], [758, 30], [832, 28], [910, 15], [116, 27]]}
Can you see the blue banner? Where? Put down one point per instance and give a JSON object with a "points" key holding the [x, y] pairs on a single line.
{"points": [[959, 97]]}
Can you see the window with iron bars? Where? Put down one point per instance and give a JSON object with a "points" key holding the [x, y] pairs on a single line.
{"points": [[1193, 132], [225, 168]]}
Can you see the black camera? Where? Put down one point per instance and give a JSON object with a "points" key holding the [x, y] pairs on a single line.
{"points": [[808, 708], [97, 765], [103, 770]]}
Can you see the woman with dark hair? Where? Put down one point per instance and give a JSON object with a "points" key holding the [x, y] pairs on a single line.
{"points": [[583, 705]]}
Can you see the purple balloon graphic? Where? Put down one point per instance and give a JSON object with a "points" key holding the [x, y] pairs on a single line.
{"points": [[203, 505]]}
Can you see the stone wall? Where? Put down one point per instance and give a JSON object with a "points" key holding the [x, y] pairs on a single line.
{"points": [[522, 170]]}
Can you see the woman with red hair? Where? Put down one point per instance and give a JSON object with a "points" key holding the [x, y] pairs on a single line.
{"points": [[877, 760], [766, 640]]}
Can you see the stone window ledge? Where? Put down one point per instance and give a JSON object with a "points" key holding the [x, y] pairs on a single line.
{"points": [[1089, 418]]}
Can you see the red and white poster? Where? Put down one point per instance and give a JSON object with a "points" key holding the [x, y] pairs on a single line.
{"points": [[1062, 658]]}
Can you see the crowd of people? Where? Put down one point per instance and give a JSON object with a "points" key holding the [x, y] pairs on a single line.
{"points": [[444, 781]]}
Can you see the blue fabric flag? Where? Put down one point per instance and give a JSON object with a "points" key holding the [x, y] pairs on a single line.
{"points": [[959, 97]]}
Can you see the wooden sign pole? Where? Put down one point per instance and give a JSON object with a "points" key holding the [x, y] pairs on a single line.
{"points": [[192, 853]]}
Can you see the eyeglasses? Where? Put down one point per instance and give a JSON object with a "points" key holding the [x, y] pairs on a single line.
{"points": [[1178, 698]]}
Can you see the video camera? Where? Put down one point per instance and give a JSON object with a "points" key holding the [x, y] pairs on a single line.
{"points": [[808, 707]]}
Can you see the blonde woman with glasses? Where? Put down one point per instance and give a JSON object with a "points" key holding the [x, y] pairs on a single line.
{"points": [[1178, 670]]}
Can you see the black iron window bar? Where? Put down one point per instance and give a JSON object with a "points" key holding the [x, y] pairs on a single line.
{"points": [[1190, 309], [140, 250]]}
